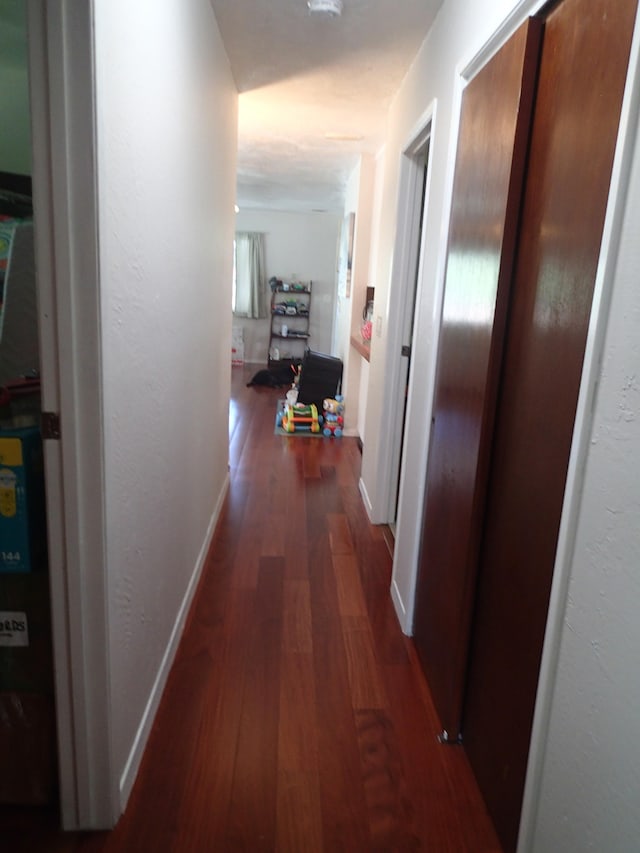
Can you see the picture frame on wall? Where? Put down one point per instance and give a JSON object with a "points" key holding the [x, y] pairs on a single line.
{"points": [[345, 254]]}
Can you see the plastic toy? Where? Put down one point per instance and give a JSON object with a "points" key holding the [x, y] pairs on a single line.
{"points": [[292, 393], [292, 396], [299, 417], [333, 411]]}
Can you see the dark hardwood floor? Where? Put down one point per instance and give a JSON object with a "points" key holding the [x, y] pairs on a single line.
{"points": [[296, 718]]}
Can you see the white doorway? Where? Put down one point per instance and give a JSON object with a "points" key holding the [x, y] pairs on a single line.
{"points": [[413, 194], [61, 82]]}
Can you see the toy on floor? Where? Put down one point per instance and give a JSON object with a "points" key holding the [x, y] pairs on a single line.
{"points": [[292, 393], [333, 416], [299, 417]]}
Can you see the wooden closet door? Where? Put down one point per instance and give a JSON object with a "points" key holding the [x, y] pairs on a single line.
{"points": [[490, 161], [582, 75]]}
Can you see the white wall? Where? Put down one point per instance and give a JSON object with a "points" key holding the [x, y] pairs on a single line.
{"points": [[374, 224], [302, 245], [362, 400], [359, 200], [166, 142]]}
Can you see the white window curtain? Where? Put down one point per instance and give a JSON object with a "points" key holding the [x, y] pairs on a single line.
{"points": [[250, 284]]}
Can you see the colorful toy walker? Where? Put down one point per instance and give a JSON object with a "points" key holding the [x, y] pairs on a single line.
{"points": [[299, 417]]}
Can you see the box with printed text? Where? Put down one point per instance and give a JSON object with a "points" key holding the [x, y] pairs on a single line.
{"points": [[22, 507]]}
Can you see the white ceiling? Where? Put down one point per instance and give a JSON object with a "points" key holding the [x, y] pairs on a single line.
{"points": [[306, 82]]}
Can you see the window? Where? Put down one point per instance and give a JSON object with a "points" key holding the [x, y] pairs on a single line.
{"points": [[249, 285]]}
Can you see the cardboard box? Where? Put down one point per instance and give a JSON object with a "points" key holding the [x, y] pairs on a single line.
{"points": [[28, 749], [26, 657], [23, 539]]}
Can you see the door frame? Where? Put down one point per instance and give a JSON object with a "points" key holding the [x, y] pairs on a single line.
{"points": [[62, 93], [412, 215], [408, 240], [417, 433]]}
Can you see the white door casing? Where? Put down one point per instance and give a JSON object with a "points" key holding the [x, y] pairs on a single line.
{"points": [[62, 91]]}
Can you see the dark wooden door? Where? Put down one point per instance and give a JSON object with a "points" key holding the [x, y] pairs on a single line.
{"points": [[582, 74], [494, 133]]}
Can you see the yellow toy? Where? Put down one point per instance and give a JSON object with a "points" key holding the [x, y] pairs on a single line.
{"points": [[333, 416]]}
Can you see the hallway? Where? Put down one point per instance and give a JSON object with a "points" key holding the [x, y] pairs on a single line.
{"points": [[295, 717]]}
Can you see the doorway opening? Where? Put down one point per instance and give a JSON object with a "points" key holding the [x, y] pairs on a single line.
{"points": [[415, 166]]}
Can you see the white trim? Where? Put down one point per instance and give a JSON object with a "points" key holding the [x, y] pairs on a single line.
{"points": [[365, 497], [421, 131], [67, 241], [416, 187], [398, 604], [408, 529], [132, 763], [517, 16], [627, 135], [44, 249], [407, 243]]}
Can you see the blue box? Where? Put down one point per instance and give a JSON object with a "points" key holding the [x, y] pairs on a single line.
{"points": [[22, 506]]}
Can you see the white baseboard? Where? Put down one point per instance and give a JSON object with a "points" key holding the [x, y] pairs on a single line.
{"points": [[365, 497], [401, 610], [132, 765]]}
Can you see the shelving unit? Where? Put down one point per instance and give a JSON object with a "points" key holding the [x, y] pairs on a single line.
{"points": [[290, 317]]}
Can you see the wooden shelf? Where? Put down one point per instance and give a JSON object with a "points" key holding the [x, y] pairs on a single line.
{"points": [[363, 348], [296, 341]]}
